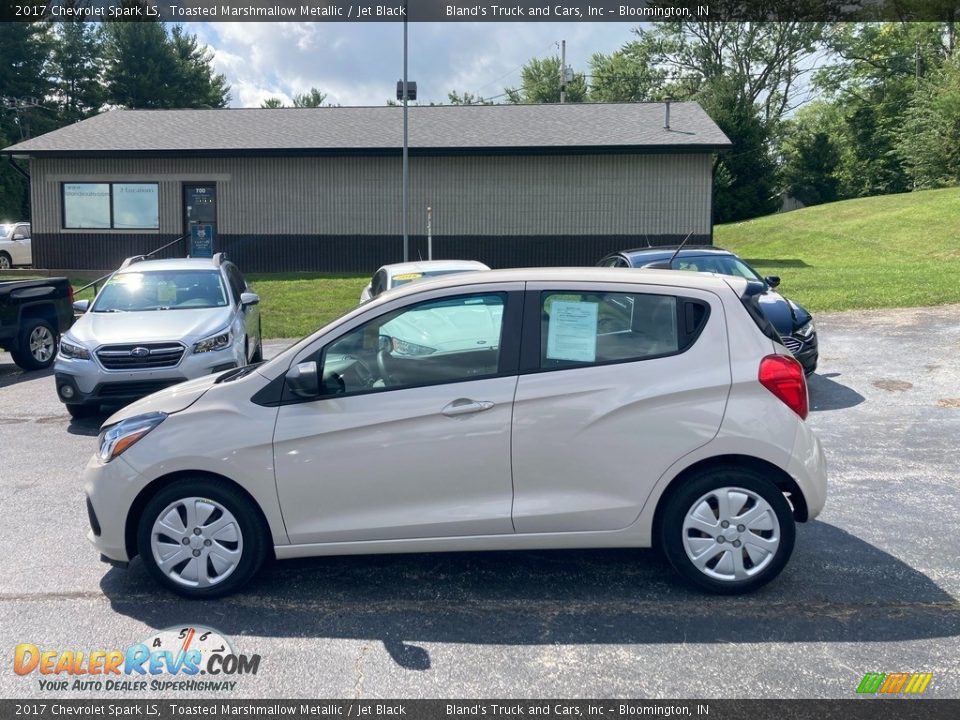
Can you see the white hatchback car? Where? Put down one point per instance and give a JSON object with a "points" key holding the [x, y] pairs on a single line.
{"points": [[400, 274], [614, 409]]}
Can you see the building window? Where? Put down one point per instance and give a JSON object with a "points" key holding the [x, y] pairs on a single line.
{"points": [[118, 206]]}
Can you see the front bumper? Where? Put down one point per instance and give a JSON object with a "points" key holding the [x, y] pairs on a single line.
{"points": [[83, 382], [805, 349], [111, 489]]}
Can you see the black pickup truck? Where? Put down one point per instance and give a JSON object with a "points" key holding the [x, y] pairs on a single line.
{"points": [[33, 314]]}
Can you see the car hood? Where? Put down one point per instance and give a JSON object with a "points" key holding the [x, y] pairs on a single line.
{"points": [[169, 400], [94, 329], [784, 314]]}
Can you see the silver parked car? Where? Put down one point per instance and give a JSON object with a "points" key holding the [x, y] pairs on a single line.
{"points": [[399, 274], [156, 323], [546, 408]]}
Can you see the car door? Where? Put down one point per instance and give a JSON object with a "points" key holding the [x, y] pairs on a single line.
{"points": [[410, 434], [617, 383]]}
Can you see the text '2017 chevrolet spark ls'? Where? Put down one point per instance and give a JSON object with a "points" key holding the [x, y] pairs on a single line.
{"points": [[511, 409]]}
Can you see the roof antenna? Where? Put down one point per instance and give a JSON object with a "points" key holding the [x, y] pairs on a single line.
{"points": [[647, 240], [679, 248]]}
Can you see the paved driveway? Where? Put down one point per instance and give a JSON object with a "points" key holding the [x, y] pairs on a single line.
{"points": [[872, 585]]}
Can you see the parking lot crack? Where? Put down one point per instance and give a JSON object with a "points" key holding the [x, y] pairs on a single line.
{"points": [[358, 668]]}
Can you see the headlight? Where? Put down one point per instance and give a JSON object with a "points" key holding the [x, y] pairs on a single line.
{"points": [[219, 341], [69, 350], [408, 348], [807, 329], [115, 439]]}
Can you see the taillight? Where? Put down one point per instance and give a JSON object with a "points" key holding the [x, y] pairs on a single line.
{"points": [[783, 376]]}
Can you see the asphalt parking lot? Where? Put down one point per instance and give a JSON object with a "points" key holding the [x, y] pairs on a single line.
{"points": [[872, 586]]}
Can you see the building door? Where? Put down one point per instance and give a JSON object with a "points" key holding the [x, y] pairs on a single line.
{"points": [[200, 219]]}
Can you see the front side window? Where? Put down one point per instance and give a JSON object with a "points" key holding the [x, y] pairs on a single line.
{"points": [[438, 341], [118, 206], [161, 290], [601, 327]]}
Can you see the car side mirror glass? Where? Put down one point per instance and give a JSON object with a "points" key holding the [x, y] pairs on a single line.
{"points": [[772, 280], [384, 343], [81, 306], [248, 298], [19, 236], [303, 380]]}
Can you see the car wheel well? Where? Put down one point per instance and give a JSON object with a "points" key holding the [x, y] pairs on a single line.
{"points": [[781, 479], [144, 496]]}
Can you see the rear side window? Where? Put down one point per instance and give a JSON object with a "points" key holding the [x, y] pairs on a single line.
{"points": [[605, 327], [751, 304]]}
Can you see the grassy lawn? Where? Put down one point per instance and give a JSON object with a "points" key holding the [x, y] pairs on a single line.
{"points": [[889, 251], [296, 304]]}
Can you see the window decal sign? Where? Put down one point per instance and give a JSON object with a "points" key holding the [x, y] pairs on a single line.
{"points": [[572, 333]]}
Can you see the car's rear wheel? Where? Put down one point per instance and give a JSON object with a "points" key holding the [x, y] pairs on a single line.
{"points": [[38, 345], [5, 261], [728, 530], [201, 538]]}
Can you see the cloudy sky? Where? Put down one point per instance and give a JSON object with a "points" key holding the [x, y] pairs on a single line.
{"points": [[360, 63]]}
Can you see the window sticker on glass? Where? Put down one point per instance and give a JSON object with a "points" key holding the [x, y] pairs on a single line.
{"points": [[572, 332], [166, 292]]}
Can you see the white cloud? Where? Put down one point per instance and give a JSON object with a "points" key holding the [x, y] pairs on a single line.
{"points": [[360, 63]]}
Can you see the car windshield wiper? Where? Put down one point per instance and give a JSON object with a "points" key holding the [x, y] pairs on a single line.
{"points": [[109, 310], [238, 373]]}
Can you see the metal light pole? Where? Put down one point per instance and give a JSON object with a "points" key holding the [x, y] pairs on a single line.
{"points": [[406, 237]]}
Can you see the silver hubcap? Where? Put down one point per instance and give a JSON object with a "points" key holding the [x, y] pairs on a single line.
{"points": [[196, 542], [4, 263], [41, 343], [731, 534]]}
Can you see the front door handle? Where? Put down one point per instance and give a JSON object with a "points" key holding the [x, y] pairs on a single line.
{"points": [[465, 406]]}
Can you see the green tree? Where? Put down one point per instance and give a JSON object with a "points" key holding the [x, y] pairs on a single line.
{"points": [[810, 157], [540, 83], [877, 69], [929, 141], [24, 86], [195, 78], [147, 68], [626, 76], [76, 66], [313, 98], [272, 103], [466, 98]]}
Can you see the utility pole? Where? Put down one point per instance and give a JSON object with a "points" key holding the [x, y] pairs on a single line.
{"points": [[406, 173], [563, 71]]}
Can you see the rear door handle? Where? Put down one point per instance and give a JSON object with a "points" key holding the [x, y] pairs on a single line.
{"points": [[465, 406]]}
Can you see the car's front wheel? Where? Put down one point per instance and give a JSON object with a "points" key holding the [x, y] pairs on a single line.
{"points": [[201, 538], [728, 530]]}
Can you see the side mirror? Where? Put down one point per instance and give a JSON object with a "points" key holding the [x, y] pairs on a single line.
{"points": [[19, 236], [384, 344], [772, 280], [81, 306], [248, 298], [303, 380]]}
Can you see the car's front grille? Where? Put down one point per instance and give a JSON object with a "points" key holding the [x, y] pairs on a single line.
{"points": [[792, 344], [143, 356], [134, 389]]}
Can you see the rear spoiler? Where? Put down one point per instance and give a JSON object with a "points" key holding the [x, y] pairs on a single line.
{"points": [[750, 299]]}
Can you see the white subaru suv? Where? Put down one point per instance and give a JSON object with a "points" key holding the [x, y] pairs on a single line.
{"points": [[594, 408], [156, 323]]}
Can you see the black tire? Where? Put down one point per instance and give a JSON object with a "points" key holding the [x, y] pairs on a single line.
{"points": [[6, 262], [78, 411], [29, 359], [255, 537], [693, 489], [258, 353]]}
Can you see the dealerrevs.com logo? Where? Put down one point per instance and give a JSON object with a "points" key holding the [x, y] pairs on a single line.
{"points": [[177, 658]]}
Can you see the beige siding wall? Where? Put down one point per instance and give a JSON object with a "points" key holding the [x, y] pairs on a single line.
{"points": [[481, 195]]}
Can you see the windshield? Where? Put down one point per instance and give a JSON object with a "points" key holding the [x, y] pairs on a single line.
{"points": [[405, 278], [162, 290], [720, 264]]}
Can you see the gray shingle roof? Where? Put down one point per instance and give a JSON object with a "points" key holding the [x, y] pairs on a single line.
{"points": [[542, 128]]}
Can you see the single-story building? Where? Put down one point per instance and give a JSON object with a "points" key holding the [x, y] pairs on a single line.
{"points": [[321, 188]]}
